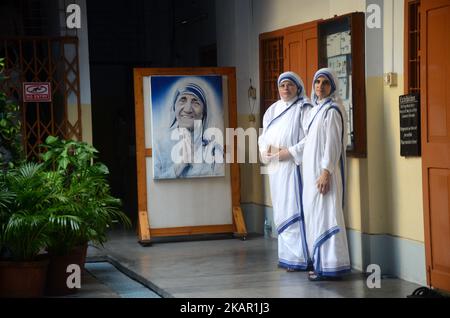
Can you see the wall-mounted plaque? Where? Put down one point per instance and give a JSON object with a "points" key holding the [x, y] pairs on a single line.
{"points": [[409, 125]]}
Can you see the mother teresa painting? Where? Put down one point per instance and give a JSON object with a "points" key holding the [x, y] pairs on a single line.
{"points": [[187, 126]]}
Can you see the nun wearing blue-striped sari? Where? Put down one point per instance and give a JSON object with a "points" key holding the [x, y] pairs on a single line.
{"points": [[324, 175], [281, 147]]}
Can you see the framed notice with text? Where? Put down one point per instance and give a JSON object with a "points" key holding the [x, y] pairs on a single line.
{"points": [[410, 145]]}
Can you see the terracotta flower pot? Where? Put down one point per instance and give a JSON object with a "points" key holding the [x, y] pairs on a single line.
{"points": [[57, 271], [23, 279]]}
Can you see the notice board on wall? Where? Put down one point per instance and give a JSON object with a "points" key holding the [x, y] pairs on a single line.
{"points": [[410, 145], [341, 47]]}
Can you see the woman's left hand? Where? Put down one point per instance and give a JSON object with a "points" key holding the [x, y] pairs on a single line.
{"points": [[284, 155], [323, 183]]}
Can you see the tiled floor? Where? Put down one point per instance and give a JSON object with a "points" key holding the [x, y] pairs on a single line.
{"points": [[226, 268]]}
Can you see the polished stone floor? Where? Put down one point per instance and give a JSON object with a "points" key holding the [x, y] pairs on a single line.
{"points": [[117, 282], [228, 268], [92, 287]]}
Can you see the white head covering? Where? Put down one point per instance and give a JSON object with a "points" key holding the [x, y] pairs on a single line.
{"points": [[294, 78], [191, 89], [334, 96], [332, 78]]}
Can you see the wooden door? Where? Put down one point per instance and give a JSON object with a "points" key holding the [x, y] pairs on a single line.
{"points": [[435, 109], [293, 51], [301, 54], [309, 62]]}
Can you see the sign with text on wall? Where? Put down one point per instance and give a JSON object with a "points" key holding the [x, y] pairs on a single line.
{"points": [[37, 92], [410, 125]]}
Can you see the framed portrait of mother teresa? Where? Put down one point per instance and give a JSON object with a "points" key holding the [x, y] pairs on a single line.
{"points": [[185, 185], [187, 126]]}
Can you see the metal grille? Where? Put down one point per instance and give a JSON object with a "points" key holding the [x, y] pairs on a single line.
{"points": [[39, 59]]}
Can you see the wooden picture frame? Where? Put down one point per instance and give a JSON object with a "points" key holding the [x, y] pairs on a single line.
{"points": [[145, 229]]}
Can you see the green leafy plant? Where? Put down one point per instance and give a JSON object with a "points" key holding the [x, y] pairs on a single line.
{"points": [[10, 127], [85, 194], [27, 196]]}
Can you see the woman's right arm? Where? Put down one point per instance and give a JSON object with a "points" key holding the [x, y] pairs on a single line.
{"points": [[263, 144]]}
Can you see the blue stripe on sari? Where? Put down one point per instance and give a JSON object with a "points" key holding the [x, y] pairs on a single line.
{"points": [[312, 120], [291, 265], [319, 242], [341, 160], [302, 216], [284, 112]]}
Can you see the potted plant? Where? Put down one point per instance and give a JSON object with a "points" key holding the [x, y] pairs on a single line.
{"points": [[86, 192], [26, 198]]}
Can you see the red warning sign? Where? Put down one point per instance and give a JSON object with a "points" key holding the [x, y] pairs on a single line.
{"points": [[37, 92]]}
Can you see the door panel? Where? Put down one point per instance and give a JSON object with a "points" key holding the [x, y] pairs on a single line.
{"points": [[301, 55], [293, 49], [438, 28], [435, 109], [439, 207], [311, 60]]}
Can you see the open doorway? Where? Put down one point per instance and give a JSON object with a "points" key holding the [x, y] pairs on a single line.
{"points": [[140, 33]]}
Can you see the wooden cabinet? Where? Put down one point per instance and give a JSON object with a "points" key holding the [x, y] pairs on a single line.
{"points": [[341, 47]]}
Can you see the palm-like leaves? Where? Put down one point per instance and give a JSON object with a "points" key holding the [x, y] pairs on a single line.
{"points": [[59, 204], [24, 216], [86, 198], [6, 197], [34, 209]]}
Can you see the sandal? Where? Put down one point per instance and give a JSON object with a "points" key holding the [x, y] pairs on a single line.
{"points": [[291, 269], [425, 292], [314, 277]]}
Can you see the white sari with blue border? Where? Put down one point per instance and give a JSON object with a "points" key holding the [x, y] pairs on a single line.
{"points": [[325, 148], [283, 128]]}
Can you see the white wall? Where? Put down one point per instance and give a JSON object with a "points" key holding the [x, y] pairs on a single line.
{"points": [[84, 73], [239, 23], [404, 191], [380, 199]]}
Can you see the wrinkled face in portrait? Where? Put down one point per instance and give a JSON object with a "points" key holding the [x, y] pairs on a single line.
{"points": [[322, 87], [287, 90], [188, 108]]}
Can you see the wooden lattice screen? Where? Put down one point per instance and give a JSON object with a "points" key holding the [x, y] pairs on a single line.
{"points": [[271, 67], [39, 59], [412, 46]]}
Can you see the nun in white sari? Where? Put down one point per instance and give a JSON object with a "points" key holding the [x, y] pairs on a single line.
{"points": [[324, 179], [281, 146]]}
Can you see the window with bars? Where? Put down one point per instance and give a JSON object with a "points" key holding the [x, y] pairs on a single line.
{"points": [[412, 46]]}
